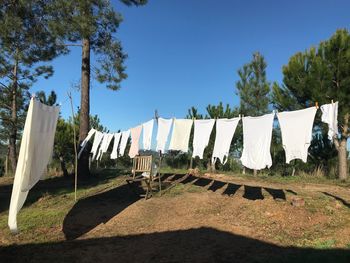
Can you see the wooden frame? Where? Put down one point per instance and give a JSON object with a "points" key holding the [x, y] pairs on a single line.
{"points": [[144, 164]]}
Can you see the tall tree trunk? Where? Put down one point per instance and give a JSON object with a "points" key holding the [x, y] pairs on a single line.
{"points": [[83, 166], [13, 129], [63, 166], [341, 146]]}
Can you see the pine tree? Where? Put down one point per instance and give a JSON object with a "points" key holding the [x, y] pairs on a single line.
{"points": [[320, 74], [92, 24], [26, 45], [253, 87]]}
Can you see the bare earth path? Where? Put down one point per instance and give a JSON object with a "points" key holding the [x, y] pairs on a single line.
{"points": [[212, 218]]}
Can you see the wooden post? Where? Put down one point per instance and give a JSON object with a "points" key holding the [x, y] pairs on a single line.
{"points": [[75, 150]]}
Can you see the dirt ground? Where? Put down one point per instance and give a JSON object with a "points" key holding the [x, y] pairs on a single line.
{"points": [[208, 218]]}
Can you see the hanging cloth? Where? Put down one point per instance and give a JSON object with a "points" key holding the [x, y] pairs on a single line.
{"points": [[225, 129], [296, 129], [147, 134], [97, 141], [124, 142], [164, 126], [202, 132], [330, 116], [84, 143], [114, 154], [135, 140], [181, 135], [107, 138], [34, 155], [257, 134]]}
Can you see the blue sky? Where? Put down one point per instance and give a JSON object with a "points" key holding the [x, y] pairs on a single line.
{"points": [[186, 53]]}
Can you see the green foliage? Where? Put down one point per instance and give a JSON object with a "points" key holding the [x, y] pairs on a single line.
{"points": [[96, 21], [253, 87], [318, 74]]}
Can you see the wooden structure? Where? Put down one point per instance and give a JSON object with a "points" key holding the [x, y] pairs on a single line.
{"points": [[142, 171]]}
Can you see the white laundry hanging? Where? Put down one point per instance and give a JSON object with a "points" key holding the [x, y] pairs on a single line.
{"points": [[164, 126], [330, 116], [107, 138], [124, 142], [296, 129], [34, 155], [135, 140], [257, 134], [95, 145], [202, 132], [225, 129], [181, 135], [84, 143], [114, 154], [147, 134]]}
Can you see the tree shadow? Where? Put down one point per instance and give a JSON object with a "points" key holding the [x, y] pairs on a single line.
{"points": [[89, 212], [192, 245], [56, 186], [338, 198]]}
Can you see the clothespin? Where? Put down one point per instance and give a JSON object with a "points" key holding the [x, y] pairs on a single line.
{"points": [[316, 105]]}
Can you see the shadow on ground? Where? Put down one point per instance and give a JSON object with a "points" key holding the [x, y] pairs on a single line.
{"points": [[230, 189], [193, 245], [56, 186]]}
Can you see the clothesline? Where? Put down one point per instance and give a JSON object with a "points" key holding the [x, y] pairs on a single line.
{"points": [[296, 128]]}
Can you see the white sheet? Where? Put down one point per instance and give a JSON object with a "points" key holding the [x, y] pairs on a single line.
{"points": [[95, 145], [330, 116], [124, 142], [257, 134], [34, 155], [181, 135], [202, 132], [296, 129], [225, 129], [114, 154], [164, 126], [147, 134]]}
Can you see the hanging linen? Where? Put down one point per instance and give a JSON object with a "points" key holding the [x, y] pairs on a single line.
{"points": [[107, 138], [225, 129], [147, 134], [84, 143], [164, 126], [97, 141], [114, 154], [135, 140], [202, 132], [181, 135], [330, 116], [34, 155], [124, 142], [296, 129], [257, 133]]}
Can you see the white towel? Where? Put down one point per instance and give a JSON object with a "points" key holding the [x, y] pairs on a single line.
{"points": [[34, 155], [107, 138], [330, 116], [114, 154], [147, 134], [97, 141], [181, 135], [296, 129], [124, 142], [164, 126], [225, 129], [202, 131], [257, 133]]}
